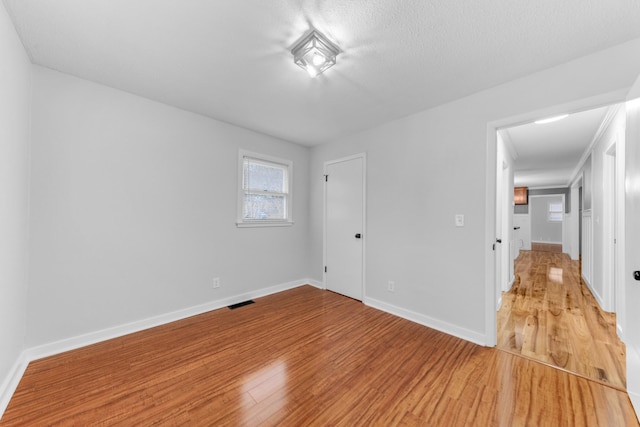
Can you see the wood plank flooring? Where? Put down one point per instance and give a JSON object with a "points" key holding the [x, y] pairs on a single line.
{"points": [[551, 316], [305, 357], [546, 247]]}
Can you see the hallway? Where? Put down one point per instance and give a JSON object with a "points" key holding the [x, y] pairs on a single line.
{"points": [[549, 315]]}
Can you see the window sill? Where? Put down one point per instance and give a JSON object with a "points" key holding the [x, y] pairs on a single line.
{"points": [[254, 224]]}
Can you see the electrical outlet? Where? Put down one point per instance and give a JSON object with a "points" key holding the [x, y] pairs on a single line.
{"points": [[391, 286], [216, 282]]}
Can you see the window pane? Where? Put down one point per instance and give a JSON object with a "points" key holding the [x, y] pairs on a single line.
{"points": [[555, 216], [264, 190], [555, 207], [264, 206], [261, 177]]}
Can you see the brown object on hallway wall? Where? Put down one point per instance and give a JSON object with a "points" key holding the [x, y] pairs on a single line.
{"points": [[520, 195]]}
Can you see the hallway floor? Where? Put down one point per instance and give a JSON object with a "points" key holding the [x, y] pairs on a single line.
{"points": [[550, 316]]}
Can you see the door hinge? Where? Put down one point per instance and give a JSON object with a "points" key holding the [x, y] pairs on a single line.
{"points": [[325, 268], [326, 178]]}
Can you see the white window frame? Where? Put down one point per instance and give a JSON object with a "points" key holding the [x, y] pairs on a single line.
{"points": [[555, 212], [288, 165]]}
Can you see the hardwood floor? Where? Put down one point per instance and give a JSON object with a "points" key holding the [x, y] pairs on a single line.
{"points": [[546, 247], [551, 316], [305, 357]]}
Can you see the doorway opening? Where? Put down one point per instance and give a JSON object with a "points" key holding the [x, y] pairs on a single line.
{"points": [[558, 244]]}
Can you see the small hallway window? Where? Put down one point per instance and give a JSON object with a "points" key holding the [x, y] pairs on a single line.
{"points": [[264, 190], [556, 212]]}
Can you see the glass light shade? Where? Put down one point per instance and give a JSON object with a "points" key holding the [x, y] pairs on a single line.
{"points": [[551, 119], [315, 53]]}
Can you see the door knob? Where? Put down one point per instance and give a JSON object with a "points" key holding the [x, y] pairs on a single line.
{"points": [[358, 236], [636, 275], [498, 240]]}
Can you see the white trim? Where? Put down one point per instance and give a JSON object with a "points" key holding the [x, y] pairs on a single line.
{"points": [[315, 283], [635, 400], [575, 218], [596, 295], [508, 143], [490, 277], [620, 269], [546, 243], [439, 325], [609, 213], [9, 385], [250, 224], [586, 271], [83, 340], [633, 362], [362, 156], [604, 125], [551, 187]]}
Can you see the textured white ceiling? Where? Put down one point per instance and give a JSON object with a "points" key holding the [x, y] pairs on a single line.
{"points": [[546, 155], [230, 60]]}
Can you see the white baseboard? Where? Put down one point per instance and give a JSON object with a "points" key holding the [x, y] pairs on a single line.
{"points": [[315, 283], [447, 328], [595, 294], [620, 332], [9, 385], [635, 401], [76, 342], [633, 376]]}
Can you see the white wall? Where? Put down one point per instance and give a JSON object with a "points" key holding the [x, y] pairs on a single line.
{"points": [[425, 168], [600, 283], [543, 230], [15, 100], [523, 235], [134, 209]]}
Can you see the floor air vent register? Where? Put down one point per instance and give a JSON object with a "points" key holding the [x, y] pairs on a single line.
{"points": [[241, 304]]}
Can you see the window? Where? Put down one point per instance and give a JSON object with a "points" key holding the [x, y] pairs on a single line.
{"points": [[264, 193], [556, 212]]}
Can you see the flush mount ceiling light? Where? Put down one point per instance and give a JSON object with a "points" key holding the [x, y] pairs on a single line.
{"points": [[551, 119], [315, 53]]}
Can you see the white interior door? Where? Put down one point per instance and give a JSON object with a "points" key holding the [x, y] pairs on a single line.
{"points": [[344, 226]]}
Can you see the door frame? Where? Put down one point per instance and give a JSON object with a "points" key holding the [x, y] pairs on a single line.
{"points": [[491, 149], [609, 225], [362, 156], [575, 218], [613, 218]]}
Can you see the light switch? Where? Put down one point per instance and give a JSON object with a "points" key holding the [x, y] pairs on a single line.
{"points": [[459, 220]]}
